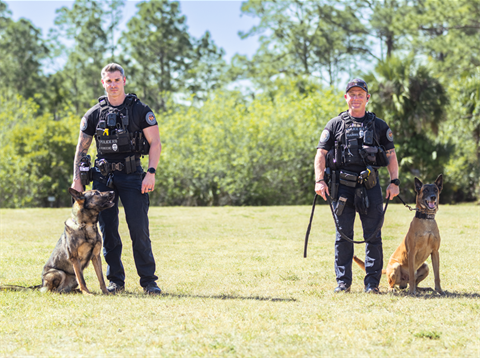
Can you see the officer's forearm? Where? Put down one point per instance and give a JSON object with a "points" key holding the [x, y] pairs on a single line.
{"points": [[154, 153], [392, 164], [320, 163], [84, 142], [153, 137]]}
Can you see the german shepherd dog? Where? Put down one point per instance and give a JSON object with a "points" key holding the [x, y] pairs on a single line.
{"points": [[79, 243], [407, 264]]}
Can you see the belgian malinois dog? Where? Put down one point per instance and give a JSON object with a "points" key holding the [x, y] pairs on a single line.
{"points": [[407, 264], [79, 243]]}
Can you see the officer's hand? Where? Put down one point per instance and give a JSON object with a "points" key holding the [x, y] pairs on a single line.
{"points": [[322, 188], [392, 191], [148, 183]]}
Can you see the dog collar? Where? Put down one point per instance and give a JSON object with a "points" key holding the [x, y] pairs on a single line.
{"points": [[424, 216]]}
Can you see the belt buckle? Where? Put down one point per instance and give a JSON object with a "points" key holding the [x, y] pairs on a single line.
{"points": [[117, 166]]}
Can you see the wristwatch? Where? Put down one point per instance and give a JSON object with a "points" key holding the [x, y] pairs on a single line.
{"points": [[151, 170], [396, 182]]}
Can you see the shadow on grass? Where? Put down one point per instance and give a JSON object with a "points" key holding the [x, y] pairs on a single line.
{"points": [[447, 294], [433, 295], [176, 295], [215, 297], [231, 297]]}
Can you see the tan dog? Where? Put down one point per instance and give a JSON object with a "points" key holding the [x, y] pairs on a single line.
{"points": [[407, 264], [79, 244]]}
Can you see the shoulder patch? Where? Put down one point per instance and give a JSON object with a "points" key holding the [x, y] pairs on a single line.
{"points": [[389, 135], [150, 118], [325, 136], [83, 124]]}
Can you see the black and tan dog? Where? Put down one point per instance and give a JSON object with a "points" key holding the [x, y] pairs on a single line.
{"points": [[79, 243], [407, 264]]}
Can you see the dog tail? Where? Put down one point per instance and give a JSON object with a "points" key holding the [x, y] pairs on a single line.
{"points": [[359, 262], [18, 288], [362, 264]]}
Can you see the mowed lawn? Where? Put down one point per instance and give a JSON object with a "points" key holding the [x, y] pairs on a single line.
{"points": [[236, 285]]}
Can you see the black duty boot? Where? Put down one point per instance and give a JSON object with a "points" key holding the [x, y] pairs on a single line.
{"points": [[371, 289], [114, 288], [342, 288], [152, 289]]}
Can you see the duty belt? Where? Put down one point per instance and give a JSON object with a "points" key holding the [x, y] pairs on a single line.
{"points": [[107, 167], [117, 166]]}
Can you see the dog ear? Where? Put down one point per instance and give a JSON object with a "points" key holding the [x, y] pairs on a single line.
{"points": [[76, 194], [439, 182], [418, 185]]}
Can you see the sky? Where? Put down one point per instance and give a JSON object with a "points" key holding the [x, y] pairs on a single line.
{"points": [[222, 18]]}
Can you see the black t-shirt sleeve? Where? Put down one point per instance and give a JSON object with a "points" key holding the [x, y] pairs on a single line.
{"points": [[327, 138], [146, 116], [385, 134], [88, 122]]}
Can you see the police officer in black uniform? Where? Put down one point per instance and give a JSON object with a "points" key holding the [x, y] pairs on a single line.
{"points": [[124, 129], [352, 147]]}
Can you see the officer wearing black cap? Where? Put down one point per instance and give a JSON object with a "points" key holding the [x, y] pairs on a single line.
{"points": [[352, 147], [124, 129]]}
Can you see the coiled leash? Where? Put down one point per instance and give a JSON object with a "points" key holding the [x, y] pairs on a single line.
{"points": [[345, 237]]}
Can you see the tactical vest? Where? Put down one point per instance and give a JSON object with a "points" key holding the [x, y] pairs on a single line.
{"points": [[359, 145], [115, 132]]}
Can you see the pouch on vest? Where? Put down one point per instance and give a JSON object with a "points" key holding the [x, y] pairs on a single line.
{"points": [[369, 154], [348, 178], [117, 143], [330, 159], [141, 143], [382, 159], [352, 153], [361, 200]]}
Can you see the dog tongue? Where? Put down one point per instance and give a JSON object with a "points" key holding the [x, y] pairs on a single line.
{"points": [[431, 205]]}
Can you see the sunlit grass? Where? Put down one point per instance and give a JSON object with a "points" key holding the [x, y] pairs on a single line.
{"points": [[236, 284]]}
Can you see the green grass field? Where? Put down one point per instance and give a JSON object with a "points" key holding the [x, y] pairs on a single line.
{"points": [[236, 285]]}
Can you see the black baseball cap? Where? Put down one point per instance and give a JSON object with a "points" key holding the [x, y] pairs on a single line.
{"points": [[357, 82]]}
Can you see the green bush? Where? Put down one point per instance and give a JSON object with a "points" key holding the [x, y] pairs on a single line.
{"points": [[233, 151], [37, 155]]}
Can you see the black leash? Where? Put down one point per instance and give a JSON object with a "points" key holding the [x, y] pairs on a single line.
{"points": [[309, 226], [408, 206], [345, 237]]}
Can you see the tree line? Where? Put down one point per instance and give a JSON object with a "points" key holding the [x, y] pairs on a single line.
{"points": [[231, 144]]}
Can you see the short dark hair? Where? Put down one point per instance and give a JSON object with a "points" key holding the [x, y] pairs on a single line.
{"points": [[112, 67]]}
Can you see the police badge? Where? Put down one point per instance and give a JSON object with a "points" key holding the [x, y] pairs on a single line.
{"points": [[325, 136], [150, 118], [389, 135]]}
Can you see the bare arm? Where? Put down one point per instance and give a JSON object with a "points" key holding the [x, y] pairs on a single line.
{"points": [[392, 189], [153, 137], [320, 163], [84, 142]]}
